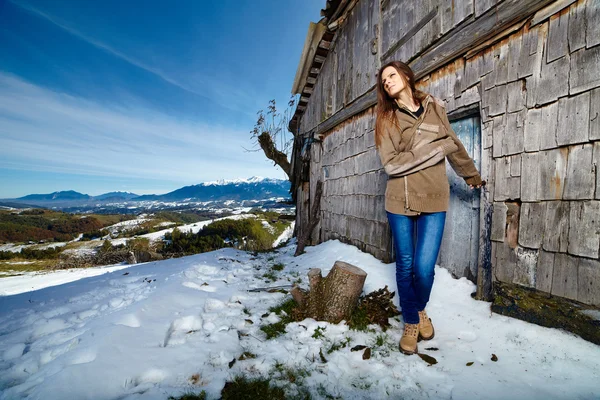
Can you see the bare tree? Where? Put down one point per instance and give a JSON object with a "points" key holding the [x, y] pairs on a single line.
{"points": [[271, 134]]}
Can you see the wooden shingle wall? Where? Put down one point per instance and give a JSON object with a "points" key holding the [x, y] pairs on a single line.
{"points": [[538, 94], [354, 185]]}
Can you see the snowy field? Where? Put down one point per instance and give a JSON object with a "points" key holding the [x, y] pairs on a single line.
{"points": [[170, 327]]}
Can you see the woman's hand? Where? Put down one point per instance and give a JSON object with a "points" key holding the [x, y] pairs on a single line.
{"points": [[478, 186]]}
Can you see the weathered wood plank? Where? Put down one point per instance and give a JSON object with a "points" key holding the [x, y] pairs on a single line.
{"points": [[501, 64], [514, 56], [548, 133], [482, 6], [588, 284], [527, 260], [498, 222], [498, 138], [596, 156], [487, 64], [550, 10], [364, 102], [515, 165], [556, 230], [533, 130], [517, 96], [340, 52], [472, 75], [363, 23], [595, 114], [527, 56], [506, 262], [580, 180], [584, 228], [531, 225], [316, 176], [592, 27], [576, 34], [530, 177], [367, 162], [495, 100], [514, 133], [414, 29], [463, 9], [557, 45], [329, 89], [479, 30], [573, 119], [544, 271], [564, 277], [553, 169], [536, 64], [506, 186], [585, 70], [553, 82]]}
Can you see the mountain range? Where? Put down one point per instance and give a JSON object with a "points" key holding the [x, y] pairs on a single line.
{"points": [[255, 188]]}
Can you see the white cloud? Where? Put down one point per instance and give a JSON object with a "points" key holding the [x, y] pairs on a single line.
{"points": [[42, 130], [227, 96]]}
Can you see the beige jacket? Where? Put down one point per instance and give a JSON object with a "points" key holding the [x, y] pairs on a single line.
{"points": [[413, 151]]}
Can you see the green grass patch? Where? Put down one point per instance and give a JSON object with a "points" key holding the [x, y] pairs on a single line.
{"points": [[319, 332], [285, 311], [17, 267], [339, 345], [270, 276], [190, 396], [242, 388], [246, 356], [278, 267]]}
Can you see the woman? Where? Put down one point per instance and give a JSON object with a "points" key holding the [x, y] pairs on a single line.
{"points": [[413, 136]]}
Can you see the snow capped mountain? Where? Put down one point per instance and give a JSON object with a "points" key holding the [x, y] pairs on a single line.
{"points": [[254, 179], [255, 188], [241, 189]]}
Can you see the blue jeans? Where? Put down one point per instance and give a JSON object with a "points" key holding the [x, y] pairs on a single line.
{"points": [[417, 241]]}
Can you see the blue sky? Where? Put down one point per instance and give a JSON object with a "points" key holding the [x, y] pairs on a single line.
{"points": [[141, 96]]}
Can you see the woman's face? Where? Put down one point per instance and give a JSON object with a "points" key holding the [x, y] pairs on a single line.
{"points": [[392, 82]]}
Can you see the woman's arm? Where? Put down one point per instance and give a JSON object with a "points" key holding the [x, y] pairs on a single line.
{"points": [[397, 164], [460, 160]]}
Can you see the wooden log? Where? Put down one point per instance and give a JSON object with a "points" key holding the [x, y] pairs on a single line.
{"points": [[332, 298], [341, 290], [546, 310]]}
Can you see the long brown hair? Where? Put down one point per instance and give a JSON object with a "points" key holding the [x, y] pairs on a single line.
{"points": [[385, 104]]}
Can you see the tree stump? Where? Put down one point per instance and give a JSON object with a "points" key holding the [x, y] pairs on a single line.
{"points": [[332, 298]]}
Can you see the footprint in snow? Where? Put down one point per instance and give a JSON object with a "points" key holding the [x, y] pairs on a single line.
{"points": [[205, 287], [467, 336], [130, 320], [82, 357], [180, 328]]}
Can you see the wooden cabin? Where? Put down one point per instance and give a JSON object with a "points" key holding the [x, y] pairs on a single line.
{"points": [[521, 83]]}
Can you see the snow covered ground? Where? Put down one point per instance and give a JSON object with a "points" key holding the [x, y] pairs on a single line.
{"points": [[285, 235], [175, 326], [193, 228]]}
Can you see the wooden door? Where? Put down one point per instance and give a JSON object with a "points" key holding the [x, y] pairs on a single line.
{"points": [[460, 246]]}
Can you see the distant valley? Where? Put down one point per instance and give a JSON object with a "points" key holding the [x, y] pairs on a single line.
{"points": [[253, 192]]}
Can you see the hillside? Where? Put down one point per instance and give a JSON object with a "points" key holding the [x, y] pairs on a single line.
{"points": [[192, 324]]}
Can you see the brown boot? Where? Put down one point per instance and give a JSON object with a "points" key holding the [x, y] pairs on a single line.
{"points": [[426, 331], [408, 342]]}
